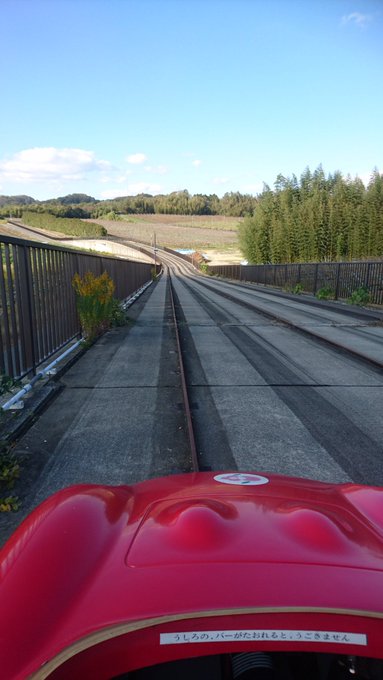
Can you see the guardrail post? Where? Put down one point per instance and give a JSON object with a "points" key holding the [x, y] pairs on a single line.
{"points": [[315, 278], [337, 281], [368, 274], [28, 308]]}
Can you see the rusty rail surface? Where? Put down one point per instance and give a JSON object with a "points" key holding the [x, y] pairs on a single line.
{"points": [[185, 395], [343, 278], [37, 301]]}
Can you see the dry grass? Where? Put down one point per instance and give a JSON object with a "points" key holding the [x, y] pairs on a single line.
{"points": [[229, 256], [215, 235], [199, 232]]}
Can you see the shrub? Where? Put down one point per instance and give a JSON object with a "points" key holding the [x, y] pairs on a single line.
{"points": [[112, 216], [65, 225], [118, 316], [7, 383], [9, 473], [360, 296], [9, 504], [94, 303], [298, 289], [325, 293], [9, 465]]}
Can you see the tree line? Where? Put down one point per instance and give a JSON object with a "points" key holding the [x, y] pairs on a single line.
{"points": [[232, 204], [315, 219]]}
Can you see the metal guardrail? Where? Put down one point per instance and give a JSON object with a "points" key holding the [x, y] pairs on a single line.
{"points": [[37, 302], [343, 278]]}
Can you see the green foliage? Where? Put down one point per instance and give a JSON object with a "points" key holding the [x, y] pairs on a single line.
{"points": [[10, 210], [232, 204], [68, 211], [204, 267], [9, 465], [73, 199], [316, 219], [298, 289], [95, 303], [9, 469], [9, 504], [178, 203], [112, 216], [70, 226], [7, 383], [325, 293], [118, 316], [360, 296]]}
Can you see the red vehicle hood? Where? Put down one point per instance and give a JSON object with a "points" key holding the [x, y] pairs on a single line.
{"points": [[95, 558]]}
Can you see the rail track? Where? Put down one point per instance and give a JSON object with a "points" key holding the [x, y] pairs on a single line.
{"points": [[278, 385], [354, 331], [266, 383]]}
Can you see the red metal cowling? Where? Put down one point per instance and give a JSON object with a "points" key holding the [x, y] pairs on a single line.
{"points": [[101, 580]]}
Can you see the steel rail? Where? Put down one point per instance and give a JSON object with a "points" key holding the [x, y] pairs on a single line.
{"points": [[192, 443], [296, 327], [309, 333]]}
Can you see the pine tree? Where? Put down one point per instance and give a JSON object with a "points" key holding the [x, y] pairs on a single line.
{"points": [[316, 219]]}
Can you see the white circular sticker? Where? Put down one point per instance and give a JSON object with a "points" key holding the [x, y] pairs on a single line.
{"points": [[241, 479]]}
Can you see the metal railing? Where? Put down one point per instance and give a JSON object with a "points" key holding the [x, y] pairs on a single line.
{"points": [[37, 301], [342, 278]]}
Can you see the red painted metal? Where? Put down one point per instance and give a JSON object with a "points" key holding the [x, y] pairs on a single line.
{"points": [[96, 574]]}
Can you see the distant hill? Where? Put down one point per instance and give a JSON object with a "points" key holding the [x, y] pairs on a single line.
{"points": [[16, 200], [73, 199], [70, 199]]}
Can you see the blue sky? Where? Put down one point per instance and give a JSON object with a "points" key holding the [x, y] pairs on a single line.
{"points": [[118, 97]]}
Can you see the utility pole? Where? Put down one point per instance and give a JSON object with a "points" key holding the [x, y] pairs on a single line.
{"points": [[155, 252]]}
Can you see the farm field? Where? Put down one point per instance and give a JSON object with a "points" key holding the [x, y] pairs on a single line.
{"points": [[214, 235]]}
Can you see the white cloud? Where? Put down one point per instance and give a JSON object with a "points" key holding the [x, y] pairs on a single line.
{"points": [[137, 158], [123, 178], [156, 169], [112, 178], [51, 164], [357, 18], [196, 163]]}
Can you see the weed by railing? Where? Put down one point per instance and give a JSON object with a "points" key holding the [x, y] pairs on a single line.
{"points": [[38, 314], [94, 297], [9, 465]]}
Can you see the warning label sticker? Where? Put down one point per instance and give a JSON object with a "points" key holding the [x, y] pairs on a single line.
{"points": [[263, 636]]}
